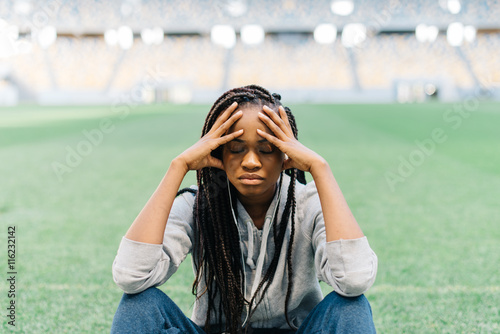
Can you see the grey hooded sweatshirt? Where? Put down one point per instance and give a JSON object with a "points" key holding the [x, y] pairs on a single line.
{"points": [[349, 266]]}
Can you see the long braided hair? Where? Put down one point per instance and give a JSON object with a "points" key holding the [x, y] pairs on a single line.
{"points": [[217, 254]]}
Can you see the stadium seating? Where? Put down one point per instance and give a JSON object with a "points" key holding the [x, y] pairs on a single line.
{"points": [[81, 60], [88, 63]]}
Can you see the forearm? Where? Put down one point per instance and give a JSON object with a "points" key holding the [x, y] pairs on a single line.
{"points": [[149, 226], [339, 220]]}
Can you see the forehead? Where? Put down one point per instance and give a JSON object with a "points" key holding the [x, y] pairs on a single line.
{"points": [[249, 120]]}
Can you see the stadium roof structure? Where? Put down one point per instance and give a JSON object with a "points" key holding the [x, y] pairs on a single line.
{"points": [[198, 17]]}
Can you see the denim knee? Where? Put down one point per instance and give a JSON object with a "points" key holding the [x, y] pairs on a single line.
{"points": [[152, 297], [338, 314], [352, 314], [151, 311], [336, 300]]}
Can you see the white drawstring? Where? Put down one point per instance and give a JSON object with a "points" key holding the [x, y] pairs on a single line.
{"points": [[250, 261], [262, 255]]}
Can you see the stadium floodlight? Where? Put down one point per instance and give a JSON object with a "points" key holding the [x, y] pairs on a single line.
{"points": [[111, 37], [223, 35], [353, 35], [470, 33], [325, 33], [147, 36], [13, 32], [454, 6], [421, 33], [455, 34], [252, 34], [432, 33], [125, 37], [47, 36], [236, 8], [159, 35], [425, 33], [342, 7], [7, 44], [152, 36], [9, 31]]}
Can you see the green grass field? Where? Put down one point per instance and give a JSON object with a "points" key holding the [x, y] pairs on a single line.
{"points": [[422, 180]]}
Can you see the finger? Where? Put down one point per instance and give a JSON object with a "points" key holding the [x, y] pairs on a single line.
{"points": [[224, 127], [279, 119], [285, 119], [227, 138], [214, 162], [278, 132], [272, 139], [224, 116]]}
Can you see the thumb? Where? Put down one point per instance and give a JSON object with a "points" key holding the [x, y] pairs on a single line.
{"points": [[214, 162], [287, 164]]}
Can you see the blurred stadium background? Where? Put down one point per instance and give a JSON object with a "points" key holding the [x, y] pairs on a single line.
{"points": [[94, 52], [401, 97]]}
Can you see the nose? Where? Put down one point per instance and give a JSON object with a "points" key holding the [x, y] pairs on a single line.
{"points": [[251, 161]]}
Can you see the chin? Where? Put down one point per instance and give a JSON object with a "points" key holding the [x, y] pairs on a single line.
{"points": [[247, 190], [253, 190]]}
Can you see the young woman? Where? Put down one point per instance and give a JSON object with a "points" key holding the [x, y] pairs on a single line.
{"points": [[260, 238]]}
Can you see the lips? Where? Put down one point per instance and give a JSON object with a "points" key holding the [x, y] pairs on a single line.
{"points": [[251, 177]]}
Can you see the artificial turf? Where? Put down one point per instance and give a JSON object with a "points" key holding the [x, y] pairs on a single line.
{"points": [[423, 181]]}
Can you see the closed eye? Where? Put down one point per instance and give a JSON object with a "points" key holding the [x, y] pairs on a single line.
{"points": [[236, 147], [267, 149]]}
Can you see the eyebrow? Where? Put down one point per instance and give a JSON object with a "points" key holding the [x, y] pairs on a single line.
{"points": [[242, 141]]}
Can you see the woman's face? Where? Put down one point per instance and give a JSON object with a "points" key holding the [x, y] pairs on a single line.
{"points": [[252, 164]]}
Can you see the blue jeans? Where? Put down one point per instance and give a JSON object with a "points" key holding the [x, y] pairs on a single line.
{"points": [[152, 311]]}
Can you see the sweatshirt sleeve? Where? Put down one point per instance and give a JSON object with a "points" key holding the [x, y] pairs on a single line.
{"points": [[138, 266], [349, 266]]}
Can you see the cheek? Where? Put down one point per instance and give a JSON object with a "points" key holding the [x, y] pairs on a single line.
{"points": [[229, 162], [275, 162]]}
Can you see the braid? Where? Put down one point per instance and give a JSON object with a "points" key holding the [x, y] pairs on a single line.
{"points": [[186, 190], [217, 250], [289, 255]]}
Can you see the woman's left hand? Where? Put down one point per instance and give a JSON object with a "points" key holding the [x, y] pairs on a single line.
{"points": [[299, 156]]}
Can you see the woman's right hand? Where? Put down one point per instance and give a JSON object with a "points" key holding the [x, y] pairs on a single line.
{"points": [[198, 156]]}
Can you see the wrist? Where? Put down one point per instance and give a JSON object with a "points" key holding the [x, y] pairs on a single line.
{"points": [[180, 165], [318, 166]]}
